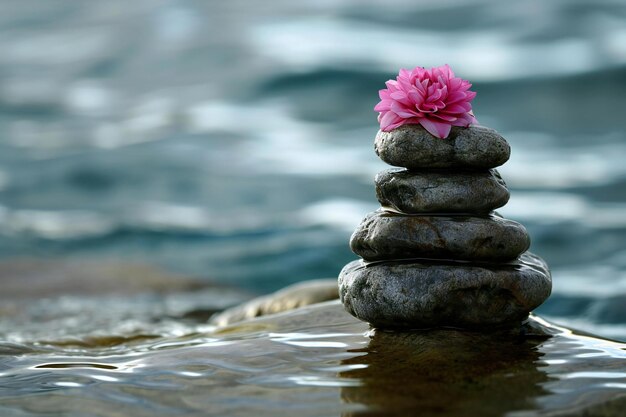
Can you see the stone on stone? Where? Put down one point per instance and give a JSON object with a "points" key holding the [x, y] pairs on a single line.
{"points": [[425, 294], [411, 146], [386, 236], [441, 191]]}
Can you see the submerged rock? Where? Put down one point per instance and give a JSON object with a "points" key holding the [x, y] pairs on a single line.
{"points": [[411, 146], [387, 236], [292, 297], [448, 191], [422, 295]]}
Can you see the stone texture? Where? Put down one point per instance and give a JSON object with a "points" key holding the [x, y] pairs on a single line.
{"points": [[425, 295], [411, 146], [289, 298], [446, 191], [386, 236]]}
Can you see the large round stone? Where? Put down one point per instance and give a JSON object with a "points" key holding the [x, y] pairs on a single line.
{"points": [[387, 236], [441, 191], [422, 295], [411, 146]]}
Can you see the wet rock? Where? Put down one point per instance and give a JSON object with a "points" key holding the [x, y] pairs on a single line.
{"points": [[387, 236], [292, 297], [424, 295], [411, 146], [448, 191]]}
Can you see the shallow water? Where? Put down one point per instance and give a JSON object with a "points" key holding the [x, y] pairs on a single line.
{"points": [[317, 361]]}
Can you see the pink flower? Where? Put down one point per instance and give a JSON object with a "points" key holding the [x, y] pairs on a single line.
{"points": [[433, 98]]}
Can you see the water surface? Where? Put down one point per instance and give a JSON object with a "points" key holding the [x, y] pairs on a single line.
{"points": [[317, 361]]}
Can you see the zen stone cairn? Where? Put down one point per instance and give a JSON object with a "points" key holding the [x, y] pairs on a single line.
{"points": [[436, 254]]}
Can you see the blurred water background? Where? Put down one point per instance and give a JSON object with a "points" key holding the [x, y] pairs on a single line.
{"points": [[232, 140]]}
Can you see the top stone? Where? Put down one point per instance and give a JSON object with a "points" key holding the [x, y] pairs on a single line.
{"points": [[411, 146]]}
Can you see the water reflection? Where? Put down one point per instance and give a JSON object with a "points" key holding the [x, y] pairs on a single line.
{"points": [[319, 360], [447, 372]]}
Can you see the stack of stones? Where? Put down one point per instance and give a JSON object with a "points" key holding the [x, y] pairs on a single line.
{"points": [[436, 254]]}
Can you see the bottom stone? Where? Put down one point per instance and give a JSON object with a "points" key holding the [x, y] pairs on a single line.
{"points": [[433, 294]]}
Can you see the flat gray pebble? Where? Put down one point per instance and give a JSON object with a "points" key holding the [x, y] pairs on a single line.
{"points": [[448, 191], [387, 236], [411, 146]]}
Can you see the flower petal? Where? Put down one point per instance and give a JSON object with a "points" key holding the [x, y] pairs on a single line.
{"points": [[402, 111], [459, 107], [443, 116], [384, 105], [456, 96], [401, 97], [388, 119], [394, 125], [437, 129], [415, 97], [392, 85], [404, 83], [384, 94]]}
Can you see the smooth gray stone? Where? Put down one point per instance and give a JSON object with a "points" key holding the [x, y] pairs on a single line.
{"points": [[411, 146], [441, 191], [289, 298], [387, 236], [423, 295]]}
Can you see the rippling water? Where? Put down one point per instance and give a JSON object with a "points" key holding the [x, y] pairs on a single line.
{"points": [[233, 141], [295, 365]]}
